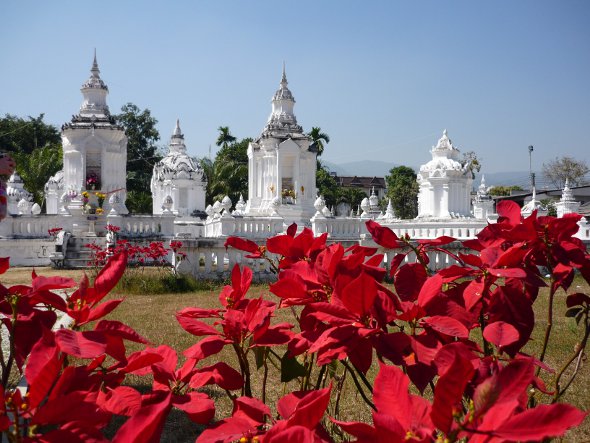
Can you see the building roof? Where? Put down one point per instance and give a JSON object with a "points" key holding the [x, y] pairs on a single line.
{"points": [[356, 181]]}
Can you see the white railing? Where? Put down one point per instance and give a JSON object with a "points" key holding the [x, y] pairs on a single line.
{"points": [[144, 225], [247, 227], [353, 228], [31, 226]]}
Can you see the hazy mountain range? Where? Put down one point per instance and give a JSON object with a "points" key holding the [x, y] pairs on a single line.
{"points": [[373, 168]]}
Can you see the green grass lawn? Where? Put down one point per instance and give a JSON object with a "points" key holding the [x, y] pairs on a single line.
{"points": [[153, 316]]}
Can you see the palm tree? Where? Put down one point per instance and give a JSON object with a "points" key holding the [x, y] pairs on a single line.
{"points": [[318, 139], [224, 137]]}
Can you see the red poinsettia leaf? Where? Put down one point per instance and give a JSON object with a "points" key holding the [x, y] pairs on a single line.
{"points": [[507, 272], [139, 363], [4, 264], [383, 236], [358, 296], [501, 333], [109, 276], [408, 281], [292, 434], [390, 394], [221, 374], [430, 289], [205, 348], [447, 325], [146, 425], [449, 391], [41, 283], [228, 430], [363, 432], [241, 244], [118, 329], [102, 310], [197, 406], [195, 327], [577, 299], [541, 422], [121, 400], [42, 368], [305, 408], [473, 293], [87, 344], [509, 211], [440, 241]]}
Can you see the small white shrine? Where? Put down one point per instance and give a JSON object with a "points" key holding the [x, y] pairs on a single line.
{"points": [[483, 204], [19, 199], [178, 178], [282, 165], [567, 204], [445, 184], [94, 155]]}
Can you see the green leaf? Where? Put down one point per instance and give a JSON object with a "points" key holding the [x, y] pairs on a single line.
{"points": [[291, 368], [259, 355], [573, 311]]}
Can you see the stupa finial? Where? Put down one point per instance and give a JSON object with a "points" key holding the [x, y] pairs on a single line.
{"points": [[95, 71], [284, 77], [177, 131]]}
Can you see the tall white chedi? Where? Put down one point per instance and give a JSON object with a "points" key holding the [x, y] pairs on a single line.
{"points": [[567, 204], [94, 152], [445, 183], [179, 177], [282, 164]]}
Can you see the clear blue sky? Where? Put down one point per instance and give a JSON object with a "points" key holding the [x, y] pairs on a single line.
{"points": [[383, 79]]}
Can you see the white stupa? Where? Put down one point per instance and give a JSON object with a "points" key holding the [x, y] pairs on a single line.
{"points": [[445, 184], [16, 192], [179, 176], [94, 152], [483, 204], [567, 204], [282, 164]]}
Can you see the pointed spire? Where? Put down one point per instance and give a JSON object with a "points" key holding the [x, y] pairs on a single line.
{"points": [[284, 78], [95, 71], [177, 140], [177, 131]]}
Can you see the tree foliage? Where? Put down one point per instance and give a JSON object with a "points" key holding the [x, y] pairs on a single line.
{"points": [[503, 190], [318, 138], [225, 137], [36, 148], [402, 189], [326, 185], [228, 173], [142, 154], [563, 168], [18, 134], [36, 167]]}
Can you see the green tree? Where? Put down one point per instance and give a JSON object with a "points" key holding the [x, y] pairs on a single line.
{"points": [[318, 139], [351, 196], [564, 168], [402, 189], [224, 138], [36, 167], [503, 190], [228, 174], [142, 155], [326, 185], [25, 135]]}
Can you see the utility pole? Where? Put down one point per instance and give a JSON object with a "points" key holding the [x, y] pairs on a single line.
{"points": [[532, 175]]}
